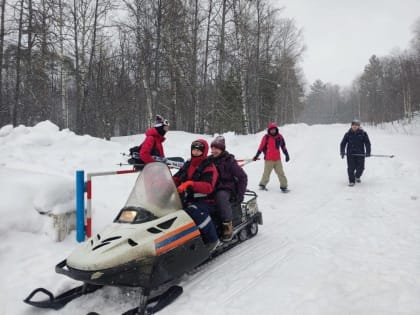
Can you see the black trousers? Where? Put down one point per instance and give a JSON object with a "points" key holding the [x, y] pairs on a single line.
{"points": [[355, 167]]}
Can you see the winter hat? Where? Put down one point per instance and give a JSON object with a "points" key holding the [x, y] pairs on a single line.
{"points": [[272, 125], [355, 122], [201, 145], [160, 121], [219, 142]]}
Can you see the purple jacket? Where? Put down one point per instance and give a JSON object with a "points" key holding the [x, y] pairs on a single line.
{"points": [[231, 176]]}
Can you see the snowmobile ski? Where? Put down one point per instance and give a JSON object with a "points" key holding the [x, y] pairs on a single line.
{"points": [[158, 302], [57, 302]]}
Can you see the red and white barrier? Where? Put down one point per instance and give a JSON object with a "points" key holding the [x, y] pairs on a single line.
{"points": [[88, 220]]}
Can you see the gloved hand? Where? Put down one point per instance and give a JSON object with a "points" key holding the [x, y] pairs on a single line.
{"points": [[287, 156], [184, 186], [342, 155], [256, 155], [367, 154]]}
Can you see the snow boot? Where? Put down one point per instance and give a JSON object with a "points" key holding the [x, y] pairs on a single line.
{"points": [[284, 189], [227, 231], [358, 180], [262, 187], [212, 246], [351, 184]]}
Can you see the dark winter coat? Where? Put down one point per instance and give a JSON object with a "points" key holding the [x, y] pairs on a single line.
{"points": [[152, 145], [231, 176], [356, 142]]}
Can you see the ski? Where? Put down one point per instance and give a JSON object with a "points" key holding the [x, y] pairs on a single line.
{"points": [[57, 302], [158, 302], [154, 304]]}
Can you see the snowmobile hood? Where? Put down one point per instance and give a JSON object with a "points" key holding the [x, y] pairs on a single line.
{"points": [[121, 243], [151, 222]]}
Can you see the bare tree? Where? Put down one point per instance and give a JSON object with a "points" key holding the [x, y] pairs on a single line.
{"points": [[3, 109], [16, 105]]}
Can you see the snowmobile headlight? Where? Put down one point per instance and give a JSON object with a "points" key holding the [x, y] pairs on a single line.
{"points": [[127, 216]]}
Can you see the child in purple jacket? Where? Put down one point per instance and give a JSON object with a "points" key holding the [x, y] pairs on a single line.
{"points": [[232, 182]]}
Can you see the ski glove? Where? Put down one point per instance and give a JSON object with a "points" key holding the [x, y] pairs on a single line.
{"points": [[184, 186], [287, 156], [256, 156], [342, 155]]}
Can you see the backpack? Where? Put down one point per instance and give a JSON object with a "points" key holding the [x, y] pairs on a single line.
{"points": [[135, 154]]}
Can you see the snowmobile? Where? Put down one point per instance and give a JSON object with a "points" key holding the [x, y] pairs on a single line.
{"points": [[151, 242]]}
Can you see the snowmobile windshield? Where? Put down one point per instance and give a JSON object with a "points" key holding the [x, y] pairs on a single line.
{"points": [[154, 191]]}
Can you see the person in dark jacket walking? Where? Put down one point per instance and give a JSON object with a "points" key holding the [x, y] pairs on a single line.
{"points": [[354, 143], [195, 182], [152, 144], [270, 145], [231, 184]]}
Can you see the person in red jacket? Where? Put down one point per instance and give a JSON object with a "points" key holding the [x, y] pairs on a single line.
{"points": [[152, 144], [270, 145], [195, 182]]}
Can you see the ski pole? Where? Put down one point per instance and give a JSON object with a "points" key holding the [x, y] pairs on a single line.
{"points": [[375, 155]]}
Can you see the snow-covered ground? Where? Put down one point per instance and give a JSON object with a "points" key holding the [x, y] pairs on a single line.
{"points": [[324, 248]]}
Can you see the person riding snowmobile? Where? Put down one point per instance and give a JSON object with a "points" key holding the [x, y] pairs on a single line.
{"points": [[196, 182], [152, 144], [231, 184]]}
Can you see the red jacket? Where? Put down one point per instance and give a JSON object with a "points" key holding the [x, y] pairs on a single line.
{"points": [[270, 145], [208, 177], [152, 145]]}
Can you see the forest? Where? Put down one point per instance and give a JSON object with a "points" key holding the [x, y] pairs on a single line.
{"points": [[105, 68]]}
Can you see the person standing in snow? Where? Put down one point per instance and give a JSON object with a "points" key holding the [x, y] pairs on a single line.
{"points": [[152, 144], [270, 145], [195, 182], [231, 184], [355, 141]]}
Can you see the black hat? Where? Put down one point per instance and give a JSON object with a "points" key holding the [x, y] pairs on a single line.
{"points": [[160, 121]]}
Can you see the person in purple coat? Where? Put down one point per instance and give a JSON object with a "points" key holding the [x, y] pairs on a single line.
{"points": [[231, 184]]}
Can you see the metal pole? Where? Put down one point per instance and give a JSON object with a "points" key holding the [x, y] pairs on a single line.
{"points": [[80, 206]]}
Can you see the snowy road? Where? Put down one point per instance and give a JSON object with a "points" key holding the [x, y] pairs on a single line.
{"points": [[325, 248]]}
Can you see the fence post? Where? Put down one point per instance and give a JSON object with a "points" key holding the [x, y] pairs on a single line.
{"points": [[80, 206]]}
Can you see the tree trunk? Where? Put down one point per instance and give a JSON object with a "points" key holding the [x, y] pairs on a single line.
{"points": [[3, 109], [16, 105]]}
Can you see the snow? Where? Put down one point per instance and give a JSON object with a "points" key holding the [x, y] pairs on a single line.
{"points": [[324, 248]]}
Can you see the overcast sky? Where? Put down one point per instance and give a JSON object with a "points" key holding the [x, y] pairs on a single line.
{"points": [[342, 35]]}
